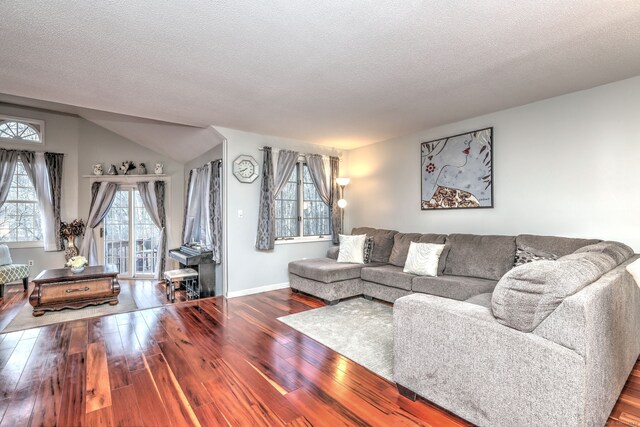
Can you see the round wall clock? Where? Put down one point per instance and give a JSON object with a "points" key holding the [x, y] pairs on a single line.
{"points": [[245, 168]]}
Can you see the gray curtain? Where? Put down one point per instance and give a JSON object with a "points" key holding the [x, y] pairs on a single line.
{"points": [[54, 169], [336, 212], [266, 227], [8, 160], [152, 195], [103, 195], [216, 210], [286, 163], [197, 227], [315, 163]]}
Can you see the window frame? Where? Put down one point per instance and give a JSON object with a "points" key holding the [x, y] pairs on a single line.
{"points": [[23, 243], [301, 238], [38, 124]]}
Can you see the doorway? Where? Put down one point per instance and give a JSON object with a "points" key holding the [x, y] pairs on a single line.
{"points": [[130, 238]]}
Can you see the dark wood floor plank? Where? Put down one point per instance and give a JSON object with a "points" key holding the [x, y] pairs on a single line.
{"points": [[149, 401], [98, 387], [47, 405], [175, 401], [124, 407], [72, 401]]}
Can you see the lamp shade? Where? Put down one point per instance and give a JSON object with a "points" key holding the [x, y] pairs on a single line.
{"points": [[342, 203], [343, 181]]}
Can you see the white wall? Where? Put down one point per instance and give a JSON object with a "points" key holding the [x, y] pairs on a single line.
{"points": [[563, 166], [248, 268]]}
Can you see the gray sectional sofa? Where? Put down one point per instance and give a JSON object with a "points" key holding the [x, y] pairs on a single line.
{"points": [[545, 343]]}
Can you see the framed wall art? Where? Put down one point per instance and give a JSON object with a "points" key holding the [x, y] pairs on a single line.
{"points": [[457, 171]]}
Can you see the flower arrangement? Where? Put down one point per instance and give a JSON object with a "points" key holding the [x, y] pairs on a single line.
{"points": [[77, 263], [71, 229]]}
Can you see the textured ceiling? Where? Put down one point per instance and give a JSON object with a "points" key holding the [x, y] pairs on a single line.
{"points": [[344, 73]]}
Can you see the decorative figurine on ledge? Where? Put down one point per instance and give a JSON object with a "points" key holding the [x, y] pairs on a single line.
{"points": [[97, 169], [69, 231], [127, 167], [142, 169], [159, 169], [113, 170]]}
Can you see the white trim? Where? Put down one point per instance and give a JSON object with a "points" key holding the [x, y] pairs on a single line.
{"points": [[24, 245], [128, 179], [305, 239], [258, 290], [36, 122]]}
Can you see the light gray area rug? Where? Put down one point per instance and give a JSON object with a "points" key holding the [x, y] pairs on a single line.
{"points": [[25, 320], [358, 329]]}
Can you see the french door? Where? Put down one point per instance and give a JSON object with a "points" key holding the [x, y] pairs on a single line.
{"points": [[130, 238]]}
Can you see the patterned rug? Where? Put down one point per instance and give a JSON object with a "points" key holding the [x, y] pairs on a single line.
{"points": [[25, 320], [358, 329]]}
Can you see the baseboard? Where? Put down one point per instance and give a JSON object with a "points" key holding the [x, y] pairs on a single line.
{"points": [[257, 290]]}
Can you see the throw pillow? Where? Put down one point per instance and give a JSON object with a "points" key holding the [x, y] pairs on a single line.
{"points": [[634, 269], [352, 248], [368, 249], [5, 256], [526, 254], [422, 259]]}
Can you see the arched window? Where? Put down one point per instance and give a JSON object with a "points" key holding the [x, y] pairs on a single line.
{"points": [[21, 130]]}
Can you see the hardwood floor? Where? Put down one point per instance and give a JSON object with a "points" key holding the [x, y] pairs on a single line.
{"points": [[208, 362]]}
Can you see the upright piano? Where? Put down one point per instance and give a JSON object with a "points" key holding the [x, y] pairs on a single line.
{"points": [[200, 260]]}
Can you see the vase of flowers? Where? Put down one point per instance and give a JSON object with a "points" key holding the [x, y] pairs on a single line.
{"points": [[69, 231], [77, 264]]}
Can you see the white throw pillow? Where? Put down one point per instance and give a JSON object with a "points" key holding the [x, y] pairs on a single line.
{"points": [[634, 269], [352, 248], [423, 258]]}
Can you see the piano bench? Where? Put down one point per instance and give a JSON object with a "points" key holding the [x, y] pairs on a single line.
{"points": [[187, 275]]}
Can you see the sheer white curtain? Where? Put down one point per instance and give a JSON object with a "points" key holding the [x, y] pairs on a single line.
{"points": [[197, 219], [152, 195]]}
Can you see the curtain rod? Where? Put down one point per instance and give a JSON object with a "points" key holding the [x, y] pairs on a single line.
{"points": [[275, 150], [33, 151]]}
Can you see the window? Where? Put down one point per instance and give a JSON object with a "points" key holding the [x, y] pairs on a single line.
{"points": [[22, 130], [20, 216], [300, 211]]}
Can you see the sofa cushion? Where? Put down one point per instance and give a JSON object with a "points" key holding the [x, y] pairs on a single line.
{"points": [[616, 250], [487, 257], [526, 295], [5, 255], [454, 287], [483, 300], [332, 252], [325, 270], [402, 241], [559, 246], [388, 275], [382, 242]]}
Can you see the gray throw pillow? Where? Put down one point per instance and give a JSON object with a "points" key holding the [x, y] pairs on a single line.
{"points": [[368, 249], [527, 294], [525, 254]]}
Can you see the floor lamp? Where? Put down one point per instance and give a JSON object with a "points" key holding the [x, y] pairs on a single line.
{"points": [[342, 203]]}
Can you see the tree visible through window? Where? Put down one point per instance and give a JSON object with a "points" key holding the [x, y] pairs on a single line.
{"points": [[300, 210], [19, 130], [19, 216]]}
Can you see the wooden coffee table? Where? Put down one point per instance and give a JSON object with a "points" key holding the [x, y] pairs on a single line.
{"points": [[59, 288]]}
